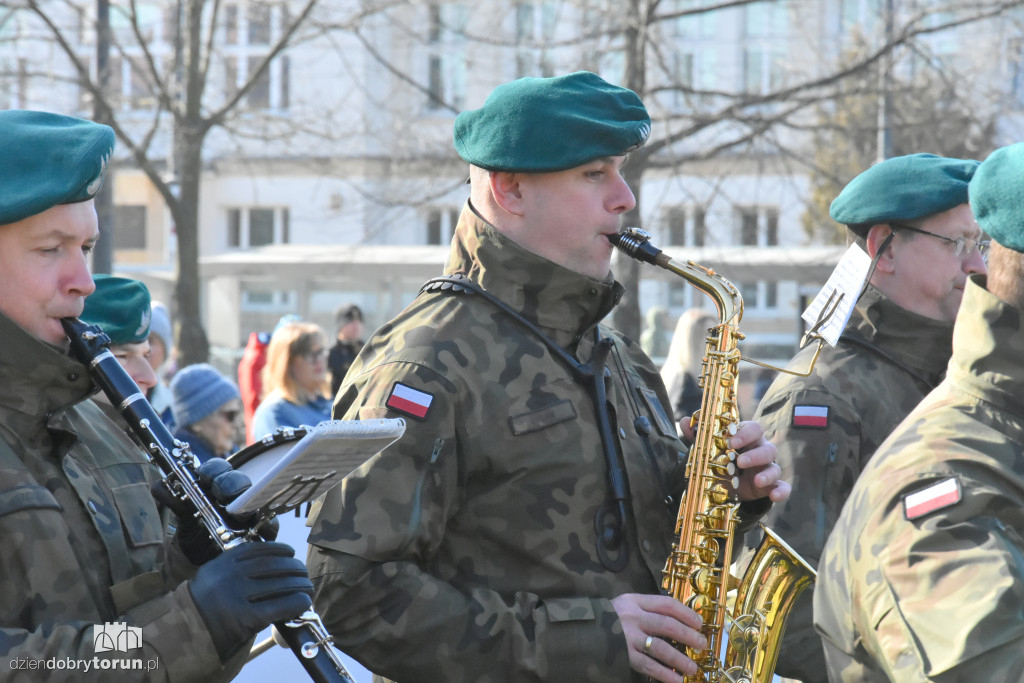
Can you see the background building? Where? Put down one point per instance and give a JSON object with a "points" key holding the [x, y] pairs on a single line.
{"points": [[299, 152]]}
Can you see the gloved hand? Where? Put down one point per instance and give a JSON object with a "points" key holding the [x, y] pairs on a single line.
{"points": [[247, 588], [222, 484]]}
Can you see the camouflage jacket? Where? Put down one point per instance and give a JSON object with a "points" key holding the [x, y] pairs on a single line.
{"points": [[828, 424], [84, 543], [923, 576], [466, 551]]}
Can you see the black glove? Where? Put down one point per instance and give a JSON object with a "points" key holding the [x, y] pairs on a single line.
{"points": [[222, 484], [247, 588]]}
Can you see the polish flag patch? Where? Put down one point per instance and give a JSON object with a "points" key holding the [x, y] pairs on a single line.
{"points": [[937, 496], [810, 416], [412, 402]]}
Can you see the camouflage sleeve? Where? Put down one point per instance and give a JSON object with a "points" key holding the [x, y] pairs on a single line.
{"points": [[939, 598], [819, 442], [373, 562], [176, 648]]}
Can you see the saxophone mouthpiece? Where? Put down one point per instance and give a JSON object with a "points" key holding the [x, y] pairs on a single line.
{"points": [[635, 242]]}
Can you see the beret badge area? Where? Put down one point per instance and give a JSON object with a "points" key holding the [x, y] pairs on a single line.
{"points": [[94, 185]]}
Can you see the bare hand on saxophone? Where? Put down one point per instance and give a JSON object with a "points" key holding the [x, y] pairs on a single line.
{"points": [[650, 623], [760, 474]]}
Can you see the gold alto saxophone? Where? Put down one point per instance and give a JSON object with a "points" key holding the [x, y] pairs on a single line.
{"points": [[696, 572]]}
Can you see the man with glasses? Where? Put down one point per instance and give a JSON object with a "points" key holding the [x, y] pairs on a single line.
{"points": [[923, 578], [910, 214]]}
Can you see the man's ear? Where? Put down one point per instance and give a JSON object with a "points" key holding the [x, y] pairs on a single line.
{"points": [[507, 191], [876, 237]]}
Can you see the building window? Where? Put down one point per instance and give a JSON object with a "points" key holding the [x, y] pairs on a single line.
{"points": [[249, 28], [234, 227], [129, 227], [767, 34], [535, 29], [676, 220], [268, 300], [441, 224], [446, 55], [685, 226], [758, 226], [759, 296], [257, 226], [699, 229]]}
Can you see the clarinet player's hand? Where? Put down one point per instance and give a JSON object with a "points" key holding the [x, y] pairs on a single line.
{"points": [[222, 484], [245, 589], [760, 474], [650, 623]]}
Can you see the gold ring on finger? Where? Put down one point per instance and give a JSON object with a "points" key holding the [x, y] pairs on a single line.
{"points": [[648, 643]]}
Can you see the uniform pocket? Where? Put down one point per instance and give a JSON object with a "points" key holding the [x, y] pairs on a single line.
{"points": [[138, 513], [560, 411]]}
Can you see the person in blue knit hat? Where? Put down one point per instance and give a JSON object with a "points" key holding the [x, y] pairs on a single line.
{"points": [[88, 549], [207, 411]]}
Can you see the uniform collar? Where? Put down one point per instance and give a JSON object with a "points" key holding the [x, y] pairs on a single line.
{"points": [[563, 303], [37, 378], [921, 343], [988, 347]]}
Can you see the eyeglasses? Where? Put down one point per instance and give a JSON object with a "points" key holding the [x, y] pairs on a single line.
{"points": [[315, 355], [229, 415], [964, 246]]}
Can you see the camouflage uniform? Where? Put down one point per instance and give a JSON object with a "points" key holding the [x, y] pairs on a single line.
{"points": [[930, 587], [886, 361], [466, 551], [84, 543]]}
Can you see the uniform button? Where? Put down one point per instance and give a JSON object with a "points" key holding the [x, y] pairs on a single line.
{"points": [[593, 292], [646, 546], [622, 432], [72, 376], [92, 507]]}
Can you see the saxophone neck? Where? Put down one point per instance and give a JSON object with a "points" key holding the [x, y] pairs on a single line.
{"points": [[636, 243]]}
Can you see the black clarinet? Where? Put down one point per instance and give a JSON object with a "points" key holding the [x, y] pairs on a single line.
{"points": [[306, 635]]}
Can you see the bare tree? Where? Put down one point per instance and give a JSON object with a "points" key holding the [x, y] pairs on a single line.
{"points": [[184, 100]]}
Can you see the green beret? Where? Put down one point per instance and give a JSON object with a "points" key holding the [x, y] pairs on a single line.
{"points": [[49, 159], [541, 125], [120, 307], [904, 189], [996, 198]]}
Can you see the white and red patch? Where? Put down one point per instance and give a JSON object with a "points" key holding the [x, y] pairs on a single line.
{"points": [[810, 416], [412, 402], [937, 496]]}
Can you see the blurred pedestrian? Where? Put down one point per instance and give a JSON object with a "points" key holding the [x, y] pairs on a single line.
{"points": [[250, 371], [348, 342], [161, 358], [207, 411], [682, 367], [294, 380], [654, 339]]}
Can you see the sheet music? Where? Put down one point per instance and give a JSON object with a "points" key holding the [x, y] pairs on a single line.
{"points": [[300, 471], [847, 279]]}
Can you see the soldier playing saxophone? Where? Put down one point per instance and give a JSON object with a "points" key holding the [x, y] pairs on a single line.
{"points": [[519, 530]]}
